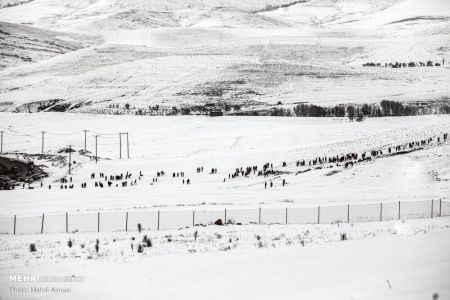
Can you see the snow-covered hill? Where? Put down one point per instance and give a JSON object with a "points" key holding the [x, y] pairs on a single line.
{"points": [[91, 55], [25, 44]]}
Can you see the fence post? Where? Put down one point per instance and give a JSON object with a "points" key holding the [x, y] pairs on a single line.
{"points": [[399, 210], [381, 211], [432, 202], [158, 218], [286, 215], [67, 222], [259, 216], [126, 222], [193, 218], [98, 222], [42, 224], [348, 213], [225, 220], [318, 214], [14, 224]]}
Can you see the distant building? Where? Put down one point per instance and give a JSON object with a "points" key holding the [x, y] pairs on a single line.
{"points": [[215, 113]]}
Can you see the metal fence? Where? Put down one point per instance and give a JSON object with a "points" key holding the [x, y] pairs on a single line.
{"points": [[176, 219]]}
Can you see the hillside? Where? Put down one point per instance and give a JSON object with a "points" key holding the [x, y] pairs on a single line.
{"points": [[24, 44], [89, 56]]}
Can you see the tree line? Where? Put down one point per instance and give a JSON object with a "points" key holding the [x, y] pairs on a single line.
{"points": [[383, 109], [410, 64], [357, 111], [352, 111]]}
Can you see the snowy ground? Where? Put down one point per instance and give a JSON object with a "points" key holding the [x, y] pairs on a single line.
{"points": [[402, 260], [184, 144], [84, 56]]}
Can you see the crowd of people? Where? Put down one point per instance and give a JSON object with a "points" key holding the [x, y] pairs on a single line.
{"points": [[267, 170], [347, 160]]}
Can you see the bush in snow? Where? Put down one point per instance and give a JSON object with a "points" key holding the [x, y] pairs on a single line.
{"points": [[147, 242], [139, 227], [32, 247], [343, 236], [69, 243], [140, 249], [97, 245]]}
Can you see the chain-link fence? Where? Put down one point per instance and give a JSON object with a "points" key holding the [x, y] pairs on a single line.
{"points": [[175, 219]]}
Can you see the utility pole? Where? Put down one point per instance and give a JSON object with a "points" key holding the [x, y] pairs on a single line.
{"points": [[70, 159], [43, 132], [96, 157], [85, 131], [120, 145], [128, 147], [1, 143]]}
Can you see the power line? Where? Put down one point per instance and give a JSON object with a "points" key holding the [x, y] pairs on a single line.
{"points": [[62, 134], [102, 134], [70, 158], [120, 145], [128, 147], [1, 143], [96, 156], [43, 132], [85, 131]]}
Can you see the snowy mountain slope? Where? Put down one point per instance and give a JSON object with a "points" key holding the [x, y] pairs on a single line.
{"points": [[70, 15], [10, 3], [357, 13], [329, 12], [248, 53], [412, 11], [24, 44]]}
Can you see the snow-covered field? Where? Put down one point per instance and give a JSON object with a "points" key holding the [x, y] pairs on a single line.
{"points": [[182, 144], [387, 260]]}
